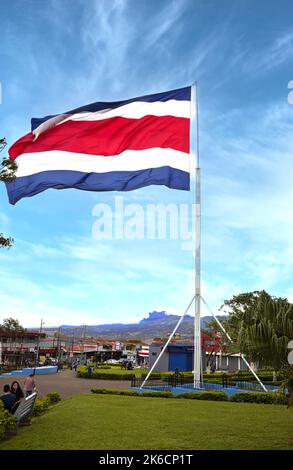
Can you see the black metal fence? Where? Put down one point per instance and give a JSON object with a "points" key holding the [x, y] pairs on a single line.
{"points": [[216, 383], [151, 382], [179, 380]]}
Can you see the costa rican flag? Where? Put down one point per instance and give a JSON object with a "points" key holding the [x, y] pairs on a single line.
{"points": [[116, 146], [144, 351]]}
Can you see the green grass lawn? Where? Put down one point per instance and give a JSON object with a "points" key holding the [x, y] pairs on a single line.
{"points": [[120, 422]]}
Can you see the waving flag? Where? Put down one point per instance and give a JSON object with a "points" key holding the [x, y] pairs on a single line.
{"points": [[116, 146]]}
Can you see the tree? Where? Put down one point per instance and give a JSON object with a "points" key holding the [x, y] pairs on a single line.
{"points": [[5, 242], [11, 324], [8, 166], [261, 326], [217, 341], [287, 384], [7, 174]]}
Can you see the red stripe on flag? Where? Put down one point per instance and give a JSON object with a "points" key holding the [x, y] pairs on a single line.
{"points": [[109, 136]]}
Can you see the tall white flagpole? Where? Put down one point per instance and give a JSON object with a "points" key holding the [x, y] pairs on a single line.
{"points": [[197, 303], [197, 297]]}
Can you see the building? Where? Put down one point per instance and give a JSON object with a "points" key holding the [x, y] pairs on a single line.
{"points": [[176, 356], [143, 355], [180, 356], [96, 350], [229, 362], [19, 348]]}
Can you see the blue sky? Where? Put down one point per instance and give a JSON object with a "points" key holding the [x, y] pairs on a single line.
{"points": [[58, 55]]}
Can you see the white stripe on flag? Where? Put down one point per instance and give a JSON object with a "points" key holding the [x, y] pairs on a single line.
{"points": [[136, 110], [129, 160]]}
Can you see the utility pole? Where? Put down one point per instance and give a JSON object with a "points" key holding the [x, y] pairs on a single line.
{"points": [[83, 341], [72, 344], [38, 344], [59, 345]]}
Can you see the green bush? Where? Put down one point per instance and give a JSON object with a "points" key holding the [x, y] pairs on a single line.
{"points": [[41, 405], [154, 375], [7, 421], [132, 393], [158, 394], [98, 365], [218, 396], [114, 376], [82, 373], [110, 391], [241, 397], [215, 396], [260, 397], [218, 380], [53, 397], [46, 403]]}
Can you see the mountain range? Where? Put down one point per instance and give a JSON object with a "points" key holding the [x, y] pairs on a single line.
{"points": [[157, 324]]}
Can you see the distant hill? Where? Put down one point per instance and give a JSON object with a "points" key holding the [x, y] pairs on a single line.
{"points": [[157, 324]]}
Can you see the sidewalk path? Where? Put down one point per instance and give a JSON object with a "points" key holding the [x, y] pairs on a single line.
{"points": [[66, 383]]}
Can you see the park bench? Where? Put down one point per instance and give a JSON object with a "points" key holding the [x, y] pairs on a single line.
{"points": [[25, 408]]}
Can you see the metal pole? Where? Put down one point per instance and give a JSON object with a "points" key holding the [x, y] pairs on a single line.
{"points": [[251, 370], [197, 335], [83, 355], [169, 339], [38, 344], [72, 346], [59, 345]]}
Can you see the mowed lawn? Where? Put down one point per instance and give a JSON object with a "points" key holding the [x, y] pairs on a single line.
{"points": [[119, 422]]}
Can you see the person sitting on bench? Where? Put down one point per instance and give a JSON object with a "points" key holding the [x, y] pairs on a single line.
{"points": [[17, 391], [8, 399]]}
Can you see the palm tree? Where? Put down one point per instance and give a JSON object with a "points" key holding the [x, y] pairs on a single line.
{"points": [[287, 384], [264, 330]]}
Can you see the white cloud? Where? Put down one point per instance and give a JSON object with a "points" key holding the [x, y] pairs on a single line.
{"points": [[271, 56], [248, 197]]}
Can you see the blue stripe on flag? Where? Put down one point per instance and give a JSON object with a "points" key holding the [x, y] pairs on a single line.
{"points": [[27, 186]]}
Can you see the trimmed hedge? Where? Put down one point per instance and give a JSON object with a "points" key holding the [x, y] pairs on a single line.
{"points": [[215, 396], [133, 393], [256, 397], [109, 391], [218, 396], [154, 375], [241, 397], [265, 376], [83, 373]]}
